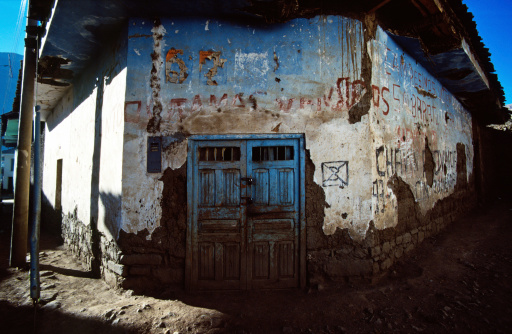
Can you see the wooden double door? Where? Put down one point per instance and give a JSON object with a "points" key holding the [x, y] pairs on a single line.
{"points": [[245, 213]]}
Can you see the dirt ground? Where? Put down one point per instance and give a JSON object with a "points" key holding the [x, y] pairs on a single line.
{"points": [[459, 281]]}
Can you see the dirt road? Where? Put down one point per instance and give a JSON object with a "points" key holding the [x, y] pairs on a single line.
{"points": [[459, 281]]}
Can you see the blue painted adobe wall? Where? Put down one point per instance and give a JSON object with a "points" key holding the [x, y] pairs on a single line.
{"points": [[269, 63], [201, 76]]}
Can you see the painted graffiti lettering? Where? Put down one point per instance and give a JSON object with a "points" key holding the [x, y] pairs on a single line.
{"points": [[409, 137], [222, 102], [377, 94], [389, 161], [196, 104], [171, 75], [404, 162], [284, 105], [237, 101], [444, 160], [177, 106], [214, 56], [335, 173], [407, 71], [378, 192]]}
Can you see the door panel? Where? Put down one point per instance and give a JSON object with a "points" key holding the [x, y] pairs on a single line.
{"points": [[274, 224], [245, 223], [286, 185], [218, 239], [261, 193], [207, 187]]}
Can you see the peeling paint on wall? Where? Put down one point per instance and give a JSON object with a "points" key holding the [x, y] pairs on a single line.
{"points": [[417, 126], [217, 61], [357, 97], [172, 75]]}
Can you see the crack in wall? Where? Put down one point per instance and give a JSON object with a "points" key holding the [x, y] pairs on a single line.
{"points": [[158, 31], [362, 107]]}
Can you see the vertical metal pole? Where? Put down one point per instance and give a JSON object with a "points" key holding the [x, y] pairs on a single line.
{"points": [[34, 239], [22, 188], [1, 170]]}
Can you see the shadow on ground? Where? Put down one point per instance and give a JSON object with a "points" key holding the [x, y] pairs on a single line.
{"points": [[21, 320]]}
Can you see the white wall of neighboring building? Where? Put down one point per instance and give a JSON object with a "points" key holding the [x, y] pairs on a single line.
{"points": [[70, 135], [9, 164]]}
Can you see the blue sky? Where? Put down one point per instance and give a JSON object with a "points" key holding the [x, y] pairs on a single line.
{"points": [[492, 19], [9, 10], [491, 16]]}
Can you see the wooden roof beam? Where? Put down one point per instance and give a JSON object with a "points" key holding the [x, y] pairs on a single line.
{"points": [[376, 8]]}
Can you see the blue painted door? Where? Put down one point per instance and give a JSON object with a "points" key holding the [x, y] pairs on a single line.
{"points": [[244, 229], [273, 215]]}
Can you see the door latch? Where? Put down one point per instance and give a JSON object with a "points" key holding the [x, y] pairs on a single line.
{"points": [[249, 180], [248, 199]]}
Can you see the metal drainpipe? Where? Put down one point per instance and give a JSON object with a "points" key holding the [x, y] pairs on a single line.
{"points": [[22, 188], [34, 239]]}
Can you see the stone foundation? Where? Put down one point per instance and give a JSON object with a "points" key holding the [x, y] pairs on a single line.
{"points": [[77, 238]]}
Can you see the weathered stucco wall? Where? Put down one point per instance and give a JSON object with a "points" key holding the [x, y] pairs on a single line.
{"points": [[388, 150], [417, 125], [84, 131], [303, 76], [213, 77], [385, 141]]}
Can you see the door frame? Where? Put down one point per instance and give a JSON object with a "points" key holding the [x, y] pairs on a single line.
{"points": [[192, 140]]}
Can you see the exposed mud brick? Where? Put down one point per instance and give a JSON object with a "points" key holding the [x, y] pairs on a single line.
{"points": [[140, 270], [143, 259], [385, 234], [386, 247], [398, 252], [376, 268], [345, 251], [340, 269], [313, 235], [462, 172], [399, 240], [421, 236], [168, 275], [376, 251], [408, 210], [138, 284], [409, 248], [315, 204], [361, 253], [386, 264], [174, 212], [429, 165]]}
